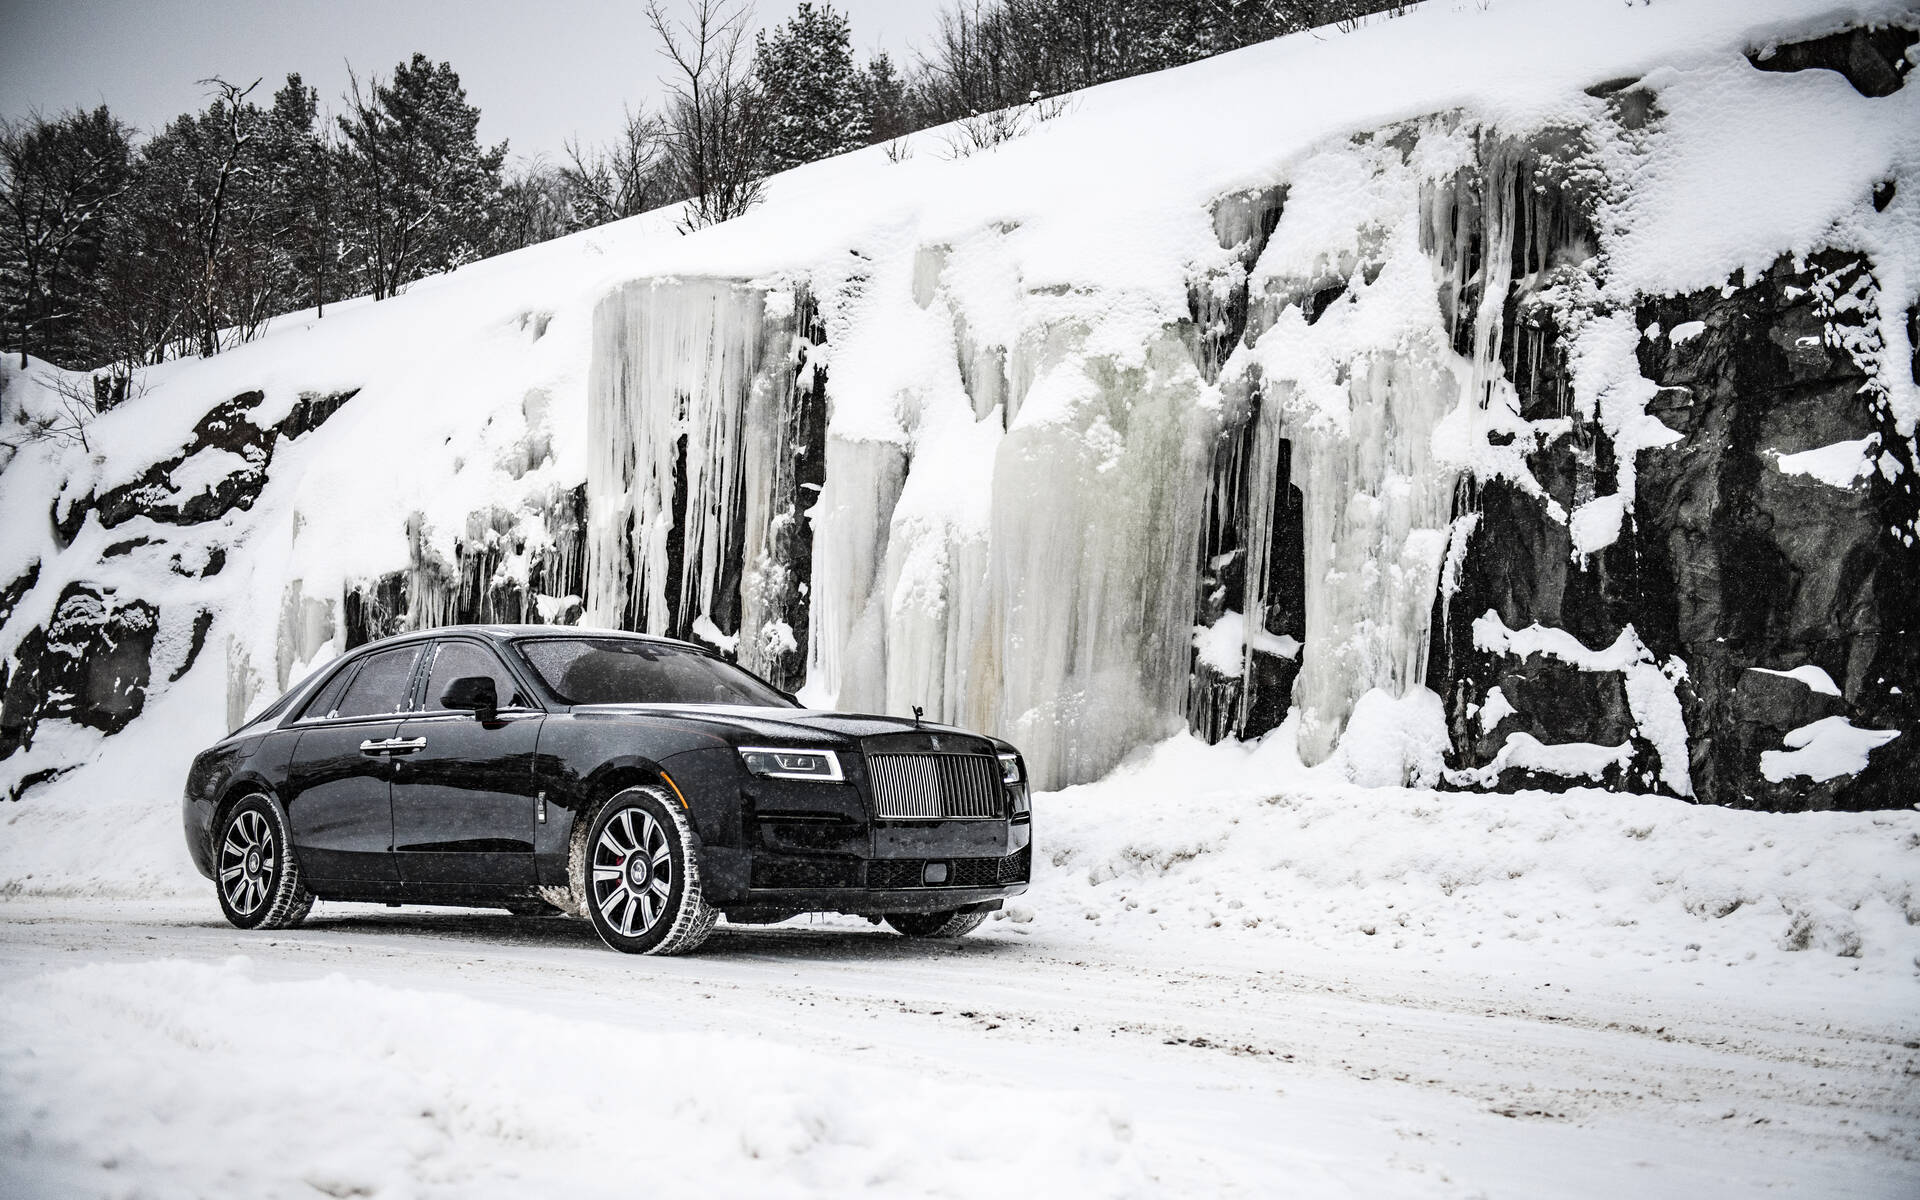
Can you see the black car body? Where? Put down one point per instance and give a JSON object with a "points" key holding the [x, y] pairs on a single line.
{"points": [[451, 766]]}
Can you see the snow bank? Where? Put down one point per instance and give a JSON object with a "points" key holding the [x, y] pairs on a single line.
{"points": [[1246, 843], [181, 1079]]}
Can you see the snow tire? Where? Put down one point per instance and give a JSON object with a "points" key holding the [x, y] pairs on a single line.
{"points": [[256, 875], [936, 924], [634, 864]]}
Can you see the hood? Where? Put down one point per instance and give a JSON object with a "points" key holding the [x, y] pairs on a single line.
{"points": [[798, 726]]}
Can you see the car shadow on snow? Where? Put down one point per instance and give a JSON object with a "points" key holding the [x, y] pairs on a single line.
{"points": [[844, 939]]}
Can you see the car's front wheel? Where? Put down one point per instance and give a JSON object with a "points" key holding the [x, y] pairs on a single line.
{"points": [[255, 872], [936, 924], [636, 869]]}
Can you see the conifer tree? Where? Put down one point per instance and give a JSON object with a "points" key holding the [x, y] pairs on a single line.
{"points": [[419, 187], [883, 94], [815, 101]]}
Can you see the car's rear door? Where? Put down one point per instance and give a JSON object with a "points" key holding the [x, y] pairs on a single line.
{"points": [[464, 801], [338, 781]]}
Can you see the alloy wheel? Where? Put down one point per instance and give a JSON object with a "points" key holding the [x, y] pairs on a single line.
{"points": [[632, 872], [247, 862]]}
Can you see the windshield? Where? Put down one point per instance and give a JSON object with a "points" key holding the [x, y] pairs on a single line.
{"points": [[625, 671]]}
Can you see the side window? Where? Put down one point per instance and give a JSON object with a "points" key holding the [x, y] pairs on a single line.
{"points": [[327, 699], [457, 660], [381, 685]]}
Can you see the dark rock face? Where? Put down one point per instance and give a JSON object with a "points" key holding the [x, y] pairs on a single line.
{"points": [[89, 665], [801, 470], [1727, 564], [1874, 61], [1772, 569], [228, 430]]}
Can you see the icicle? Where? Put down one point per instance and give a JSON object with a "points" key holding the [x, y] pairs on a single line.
{"points": [[683, 392]]}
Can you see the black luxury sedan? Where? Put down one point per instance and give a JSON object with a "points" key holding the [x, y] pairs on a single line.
{"points": [[642, 783]]}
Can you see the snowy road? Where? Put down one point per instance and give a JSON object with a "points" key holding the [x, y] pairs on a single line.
{"points": [[1241, 1071]]}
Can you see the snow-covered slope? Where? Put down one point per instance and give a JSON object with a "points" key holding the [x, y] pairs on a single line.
{"points": [[1355, 355]]}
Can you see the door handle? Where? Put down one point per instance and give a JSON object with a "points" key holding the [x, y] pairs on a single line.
{"points": [[393, 746]]}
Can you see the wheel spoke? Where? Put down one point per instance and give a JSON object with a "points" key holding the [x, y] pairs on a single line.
{"points": [[602, 874], [626, 830], [659, 889], [611, 843], [626, 919], [647, 910], [612, 902], [237, 849], [663, 853], [228, 875]]}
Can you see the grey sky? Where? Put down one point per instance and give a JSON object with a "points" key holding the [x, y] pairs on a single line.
{"points": [[539, 71]]}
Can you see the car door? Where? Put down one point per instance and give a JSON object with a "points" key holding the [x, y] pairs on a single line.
{"points": [[338, 799], [464, 801]]}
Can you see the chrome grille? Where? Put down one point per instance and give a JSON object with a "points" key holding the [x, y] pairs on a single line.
{"points": [[935, 786]]}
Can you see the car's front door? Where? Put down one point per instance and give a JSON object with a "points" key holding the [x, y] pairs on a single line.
{"points": [[464, 801], [338, 780]]}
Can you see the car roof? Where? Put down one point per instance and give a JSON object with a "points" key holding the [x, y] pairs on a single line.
{"points": [[507, 633]]}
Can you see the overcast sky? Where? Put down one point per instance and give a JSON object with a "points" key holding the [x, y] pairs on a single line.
{"points": [[539, 70]]}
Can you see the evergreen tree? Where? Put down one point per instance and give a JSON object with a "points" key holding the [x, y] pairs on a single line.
{"points": [[304, 206], [419, 188], [883, 95], [815, 102]]}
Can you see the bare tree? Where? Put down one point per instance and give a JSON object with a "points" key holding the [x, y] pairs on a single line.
{"points": [[714, 124], [59, 179], [620, 180], [77, 400], [240, 131]]}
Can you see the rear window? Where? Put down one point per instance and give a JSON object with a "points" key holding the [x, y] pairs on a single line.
{"points": [[327, 698], [381, 685], [623, 671]]}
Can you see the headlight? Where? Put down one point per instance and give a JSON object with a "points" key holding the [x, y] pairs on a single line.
{"points": [[1010, 773], [778, 763]]}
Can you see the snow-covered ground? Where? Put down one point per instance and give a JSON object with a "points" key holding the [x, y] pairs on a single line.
{"points": [[1233, 976]]}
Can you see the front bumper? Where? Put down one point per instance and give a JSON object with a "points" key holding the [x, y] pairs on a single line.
{"points": [[763, 885]]}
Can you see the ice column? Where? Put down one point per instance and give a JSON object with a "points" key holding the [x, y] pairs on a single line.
{"points": [[1098, 497], [1377, 508], [686, 408]]}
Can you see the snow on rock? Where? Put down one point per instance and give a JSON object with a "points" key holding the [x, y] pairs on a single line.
{"points": [[1842, 464], [1596, 524], [1808, 674], [377, 1090], [1825, 749]]}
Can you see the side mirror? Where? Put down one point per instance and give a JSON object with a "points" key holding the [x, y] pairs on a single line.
{"points": [[474, 692]]}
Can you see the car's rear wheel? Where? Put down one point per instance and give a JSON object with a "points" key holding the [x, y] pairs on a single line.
{"points": [[255, 873], [949, 924], [637, 873]]}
